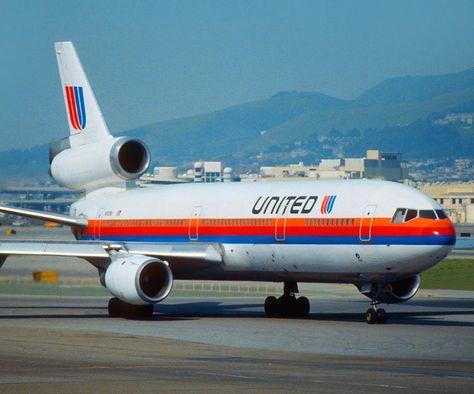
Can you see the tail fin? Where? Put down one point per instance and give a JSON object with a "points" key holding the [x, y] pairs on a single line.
{"points": [[86, 123]]}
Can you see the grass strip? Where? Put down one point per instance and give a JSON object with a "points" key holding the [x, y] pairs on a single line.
{"points": [[452, 274]]}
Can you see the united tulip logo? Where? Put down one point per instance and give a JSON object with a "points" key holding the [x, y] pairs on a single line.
{"points": [[76, 107], [327, 204]]}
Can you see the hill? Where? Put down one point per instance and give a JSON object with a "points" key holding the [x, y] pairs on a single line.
{"points": [[243, 130], [403, 114]]}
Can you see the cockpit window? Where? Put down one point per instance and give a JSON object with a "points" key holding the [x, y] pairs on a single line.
{"points": [[404, 214], [411, 214], [427, 214], [399, 216], [441, 214]]}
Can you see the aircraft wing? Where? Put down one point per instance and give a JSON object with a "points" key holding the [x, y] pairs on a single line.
{"points": [[179, 256], [47, 216]]}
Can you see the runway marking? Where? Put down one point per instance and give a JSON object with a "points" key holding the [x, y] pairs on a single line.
{"points": [[385, 386], [227, 375]]}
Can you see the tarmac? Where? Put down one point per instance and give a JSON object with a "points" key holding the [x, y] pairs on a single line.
{"points": [[69, 344], [206, 343]]}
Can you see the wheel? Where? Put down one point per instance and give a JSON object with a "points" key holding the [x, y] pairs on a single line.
{"points": [[302, 304], [381, 316], [271, 306], [371, 316], [115, 307], [137, 311], [286, 306], [118, 308], [145, 311]]}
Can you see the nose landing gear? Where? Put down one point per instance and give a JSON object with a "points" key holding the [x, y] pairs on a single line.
{"points": [[375, 315], [287, 305]]}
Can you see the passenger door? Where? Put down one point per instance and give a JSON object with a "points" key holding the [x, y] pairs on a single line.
{"points": [[98, 223], [365, 229], [193, 228], [280, 228]]}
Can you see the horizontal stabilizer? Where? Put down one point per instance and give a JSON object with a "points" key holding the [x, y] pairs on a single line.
{"points": [[46, 216]]}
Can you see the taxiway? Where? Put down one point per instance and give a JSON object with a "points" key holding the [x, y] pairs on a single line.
{"points": [[69, 344]]}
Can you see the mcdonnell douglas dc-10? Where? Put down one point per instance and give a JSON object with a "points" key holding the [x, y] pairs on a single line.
{"points": [[376, 235]]}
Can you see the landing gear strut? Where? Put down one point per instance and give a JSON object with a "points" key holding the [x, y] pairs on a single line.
{"points": [[118, 308], [287, 305]]}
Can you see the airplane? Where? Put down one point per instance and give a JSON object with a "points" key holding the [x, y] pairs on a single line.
{"points": [[377, 235]]}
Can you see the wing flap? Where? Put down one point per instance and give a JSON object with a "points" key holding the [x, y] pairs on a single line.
{"points": [[211, 253]]}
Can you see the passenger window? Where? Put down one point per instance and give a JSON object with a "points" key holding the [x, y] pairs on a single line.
{"points": [[427, 214], [411, 214], [399, 215], [441, 214]]}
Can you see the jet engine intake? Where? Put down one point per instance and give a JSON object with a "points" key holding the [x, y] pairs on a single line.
{"points": [[138, 279], [395, 292], [103, 163]]}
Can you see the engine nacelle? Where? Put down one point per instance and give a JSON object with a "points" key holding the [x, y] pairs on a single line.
{"points": [[104, 163], [138, 279], [395, 292]]}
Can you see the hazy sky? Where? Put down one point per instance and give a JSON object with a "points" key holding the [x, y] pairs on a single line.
{"points": [[157, 60]]}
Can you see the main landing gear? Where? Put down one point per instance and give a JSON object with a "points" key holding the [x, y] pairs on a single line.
{"points": [[118, 308], [287, 305]]}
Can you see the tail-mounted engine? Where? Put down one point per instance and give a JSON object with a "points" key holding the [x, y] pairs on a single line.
{"points": [[394, 292], [138, 279], [108, 162]]}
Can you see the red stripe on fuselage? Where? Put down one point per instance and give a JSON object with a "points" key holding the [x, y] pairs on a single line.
{"points": [[266, 227]]}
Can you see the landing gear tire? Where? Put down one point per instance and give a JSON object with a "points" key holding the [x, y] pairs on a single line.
{"points": [[271, 306], [287, 306], [381, 316], [371, 316], [303, 306], [138, 311], [114, 307], [118, 308], [284, 308], [378, 316]]}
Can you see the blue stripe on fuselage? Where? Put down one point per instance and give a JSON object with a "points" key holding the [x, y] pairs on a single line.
{"points": [[290, 240]]}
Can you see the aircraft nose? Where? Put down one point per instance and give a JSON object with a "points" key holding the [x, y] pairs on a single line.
{"points": [[441, 233]]}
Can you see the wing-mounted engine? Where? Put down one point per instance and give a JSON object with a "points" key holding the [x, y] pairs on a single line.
{"points": [[137, 279], [394, 292], [108, 162]]}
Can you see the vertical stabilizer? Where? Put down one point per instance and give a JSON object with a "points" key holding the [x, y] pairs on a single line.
{"points": [[86, 123]]}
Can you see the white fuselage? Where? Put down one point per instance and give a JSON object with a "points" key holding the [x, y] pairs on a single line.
{"points": [[324, 231]]}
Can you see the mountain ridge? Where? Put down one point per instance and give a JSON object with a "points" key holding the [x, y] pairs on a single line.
{"points": [[250, 132], [287, 116]]}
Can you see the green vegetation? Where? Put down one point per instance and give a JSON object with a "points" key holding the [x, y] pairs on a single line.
{"points": [[32, 288], [455, 274], [201, 289]]}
